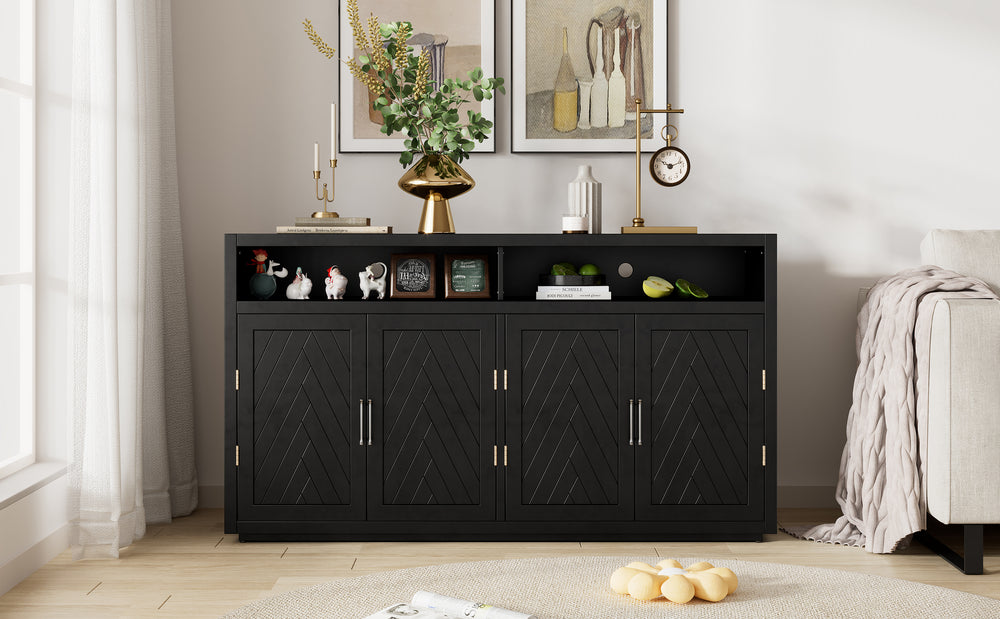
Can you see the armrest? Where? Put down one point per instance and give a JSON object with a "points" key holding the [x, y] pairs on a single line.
{"points": [[963, 425]]}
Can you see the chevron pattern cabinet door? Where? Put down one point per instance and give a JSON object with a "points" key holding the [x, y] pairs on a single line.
{"points": [[702, 425], [567, 417], [434, 418], [299, 417]]}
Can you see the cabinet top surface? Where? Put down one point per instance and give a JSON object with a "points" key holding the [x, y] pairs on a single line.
{"points": [[457, 240]]}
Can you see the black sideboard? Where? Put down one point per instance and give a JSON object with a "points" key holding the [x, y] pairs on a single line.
{"points": [[503, 418]]}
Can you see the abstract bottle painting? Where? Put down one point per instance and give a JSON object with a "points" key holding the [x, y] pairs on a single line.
{"points": [[585, 64], [617, 51]]}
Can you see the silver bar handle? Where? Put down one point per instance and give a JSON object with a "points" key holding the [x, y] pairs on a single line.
{"points": [[369, 421], [361, 422], [640, 422], [631, 429]]}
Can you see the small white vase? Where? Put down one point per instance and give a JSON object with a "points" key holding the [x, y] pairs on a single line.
{"points": [[585, 198]]}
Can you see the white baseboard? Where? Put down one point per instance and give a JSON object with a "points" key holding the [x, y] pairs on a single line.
{"points": [[28, 562], [211, 496], [823, 497]]}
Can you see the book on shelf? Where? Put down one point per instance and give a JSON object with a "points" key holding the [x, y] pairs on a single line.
{"points": [[568, 296], [335, 229], [426, 605], [333, 221], [574, 289]]}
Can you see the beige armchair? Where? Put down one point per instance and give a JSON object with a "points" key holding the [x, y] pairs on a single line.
{"points": [[963, 427]]}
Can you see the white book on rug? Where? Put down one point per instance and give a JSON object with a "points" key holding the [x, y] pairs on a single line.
{"points": [[398, 611], [426, 605], [463, 608]]}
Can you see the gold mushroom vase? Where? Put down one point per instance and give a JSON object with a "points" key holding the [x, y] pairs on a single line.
{"points": [[436, 179]]}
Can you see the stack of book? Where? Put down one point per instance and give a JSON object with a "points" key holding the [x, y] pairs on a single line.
{"points": [[335, 225], [568, 293]]}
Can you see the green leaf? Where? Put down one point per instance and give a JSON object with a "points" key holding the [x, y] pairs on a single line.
{"points": [[477, 92], [476, 74], [406, 158]]}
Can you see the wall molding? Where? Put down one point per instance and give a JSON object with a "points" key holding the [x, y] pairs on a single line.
{"points": [[211, 497], [816, 497], [29, 561]]}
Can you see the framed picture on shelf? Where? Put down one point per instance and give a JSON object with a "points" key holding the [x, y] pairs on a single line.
{"points": [[460, 37], [466, 277], [577, 68], [413, 276]]}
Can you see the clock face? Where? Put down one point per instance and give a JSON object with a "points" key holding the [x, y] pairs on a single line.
{"points": [[669, 166]]}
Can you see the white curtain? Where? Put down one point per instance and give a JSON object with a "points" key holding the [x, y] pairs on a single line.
{"points": [[133, 434]]}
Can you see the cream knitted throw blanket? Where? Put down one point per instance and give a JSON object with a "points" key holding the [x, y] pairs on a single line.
{"points": [[881, 487]]}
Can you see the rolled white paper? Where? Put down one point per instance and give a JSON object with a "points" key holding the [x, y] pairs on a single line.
{"points": [[315, 156]]}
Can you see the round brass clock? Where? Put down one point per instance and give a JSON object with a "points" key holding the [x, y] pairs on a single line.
{"points": [[669, 166]]}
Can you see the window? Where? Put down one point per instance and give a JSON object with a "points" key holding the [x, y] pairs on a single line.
{"points": [[17, 235]]}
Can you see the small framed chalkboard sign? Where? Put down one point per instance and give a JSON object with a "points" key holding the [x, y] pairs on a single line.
{"points": [[466, 277], [413, 276]]}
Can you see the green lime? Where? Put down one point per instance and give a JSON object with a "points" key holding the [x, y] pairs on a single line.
{"points": [[589, 269], [656, 287], [563, 268], [687, 289]]}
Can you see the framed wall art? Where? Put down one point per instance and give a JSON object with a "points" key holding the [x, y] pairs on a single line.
{"points": [[577, 67], [461, 37], [466, 277], [413, 276]]}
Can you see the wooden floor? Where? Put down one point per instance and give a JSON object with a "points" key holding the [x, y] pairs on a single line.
{"points": [[190, 569]]}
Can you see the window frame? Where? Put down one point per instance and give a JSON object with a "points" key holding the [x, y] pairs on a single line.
{"points": [[24, 277]]}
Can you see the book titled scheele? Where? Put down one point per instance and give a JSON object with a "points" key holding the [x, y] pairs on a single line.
{"points": [[569, 293]]}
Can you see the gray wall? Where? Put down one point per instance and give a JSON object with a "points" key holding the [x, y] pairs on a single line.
{"points": [[847, 128]]}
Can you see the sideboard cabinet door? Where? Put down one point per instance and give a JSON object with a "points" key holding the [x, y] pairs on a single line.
{"points": [[567, 417], [433, 417], [301, 382], [702, 428]]}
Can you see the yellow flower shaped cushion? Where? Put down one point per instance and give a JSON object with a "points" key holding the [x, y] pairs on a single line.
{"points": [[674, 582]]}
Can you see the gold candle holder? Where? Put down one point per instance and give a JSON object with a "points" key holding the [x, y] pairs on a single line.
{"points": [[327, 196]]}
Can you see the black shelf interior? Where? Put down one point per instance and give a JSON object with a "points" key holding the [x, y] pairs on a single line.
{"points": [[728, 272]]}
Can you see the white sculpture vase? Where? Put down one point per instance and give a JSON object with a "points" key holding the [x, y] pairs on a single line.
{"points": [[585, 198]]}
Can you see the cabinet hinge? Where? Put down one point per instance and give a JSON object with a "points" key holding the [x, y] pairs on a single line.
{"points": [[763, 455], [237, 380], [494, 455], [505, 383], [237, 455], [763, 380], [494, 380]]}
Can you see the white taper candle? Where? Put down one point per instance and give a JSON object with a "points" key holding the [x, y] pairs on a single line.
{"points": [[315, 156], [333, 131]]}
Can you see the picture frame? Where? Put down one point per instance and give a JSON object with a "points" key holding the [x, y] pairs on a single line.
{"points": [[536, 67], [469, 29], [466, 276], [414, 276]]}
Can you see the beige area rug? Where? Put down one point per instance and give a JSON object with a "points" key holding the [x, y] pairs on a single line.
{"points": [[577, 587]]}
